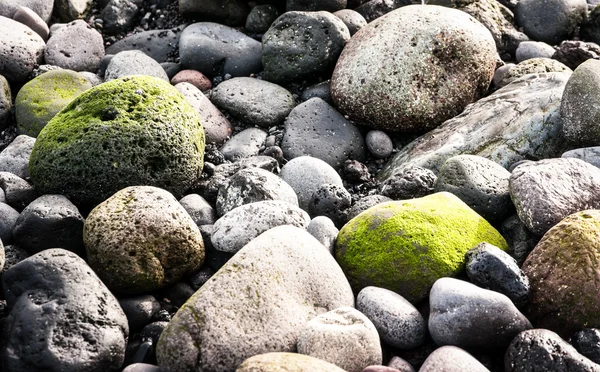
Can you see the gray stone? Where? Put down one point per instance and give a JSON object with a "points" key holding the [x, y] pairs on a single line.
{"points": [[590, 30], [331, 200], [217, 50], [5, 103], [50, 221], [157, 44], [451, 359], [549, 190], [344, 337], [18, 193], [352, 19], [76, 46], [587, 342], [199, 209], [139, 310], [480, 183], [142, 367], [119, 15], [314, 128], [544, 350], [251, 185], [32, 20], [490, 267], [588, 154], [574, 52], [533, 49], [519, 238], [273, 287], [398, 322], [69, 10], [371, 10], [13, 255], [21, 50], [133, 62], [467, 316], [501, 72], [408, 183], [217, 127], [400, 364], [365, 203], [531, 66], [245, 144], [238, 227], [92, 78], [8, 220], [43, 8], [379, 144], [15, 157], [324, 230], [315, 5], [63, 314], [260, 18], [302, 45], [306, 174], [550, 21], [320, 90], [284, 361], [229, 12], [255, 102], [504, 127]]}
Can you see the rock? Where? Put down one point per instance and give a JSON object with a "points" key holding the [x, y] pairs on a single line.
{"points": [[139, 310], [480, 183], [18, 193], [519, 238], [590, 30], [560, 268], [352, 19], [467, 316], [119, 15], [196, 78], [6, 103], [491, 268], [324, 230], [43, 8], [141, 367], [50, 221], [533, 49], [260, 18], [32, 20], [199, 209], [289, 362], [15, 157], [356, 172], [20, 52], [587, 342], [43, 97], [501, 72], [320, 90], [8, 220], [551, 21], [365, 203], [69, 10], [588, 154], [531, 66], [245, 144], [376, 368], [451, 359], [302, 45], [251, 185], [370, 256], [230, 12], [217, 127], [56, 301], [374, 9], [133, 62], [344, 337], [549, 190], [285, 265], [76, 46], [141, 239], [379, 144], [255, 102], [543, 350], [574, 52], [314, 128], [400, 364], [216, 50], [13, 255], [315, 5], [157, 44], [129, 145], [332, 201], [417, 46], [306, 174], [398, 322], [239, 226], [504, 127], [409, 183]]}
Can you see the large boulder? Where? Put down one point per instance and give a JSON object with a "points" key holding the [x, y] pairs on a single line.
{"points": [[414, 68], [270, 289], [405, 246], [20, 51], [131, 131]]}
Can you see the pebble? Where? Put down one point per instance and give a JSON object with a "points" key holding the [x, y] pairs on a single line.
{"points": [[519, 238], [324, 230], [139, 310], [196, 78], [199, 209], [119, 15], [15, 157], [76, 46], [451, 359], [43, 8], [588, 154], [587, 343], [533, 49], [321, 90], [8, 221], [260, 18], [17, 192], [332, 201], [352, 19], [21, 50], [133, 62], [379, 144], [572, 53], [365, 203], [69, 10], [6, 103], [245, 144], [31, 19]]}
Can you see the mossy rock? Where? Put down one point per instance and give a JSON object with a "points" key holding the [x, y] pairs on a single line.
{"points": [[137, 130], [405, 246], [43, 97]]}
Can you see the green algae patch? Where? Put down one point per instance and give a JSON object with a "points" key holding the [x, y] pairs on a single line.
{"points": [[405, 246], [43, 97], [137, 130]]}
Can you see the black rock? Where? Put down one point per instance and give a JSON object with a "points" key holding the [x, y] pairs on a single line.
{"points": [[139, 310], [587, 342], [411, 182]]}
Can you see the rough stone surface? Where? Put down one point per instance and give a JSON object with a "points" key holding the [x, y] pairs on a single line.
{"points": [[158, 44], [6, 103], [531, 66], [15, 157], [550, 21], [365, 203], [76, 46], [410, 182], [21, 50], [588, 154], [451, 359], [352, 19], [285, 265], [587, 342], [260, 18], [286, 362], [69, 10], [139, 310], [574, 52], [133, 62], [199, 209], [245, 144], [332, 201], [18, 193]]}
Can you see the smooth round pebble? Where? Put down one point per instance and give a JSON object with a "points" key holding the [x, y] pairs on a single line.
{"points": [[196, 78], [352, 19], [133, 62], [533, 49], [379, 144], [324, 230], [245, 144], [8, 221], [451, 359], [32, 20], [199, 209]]}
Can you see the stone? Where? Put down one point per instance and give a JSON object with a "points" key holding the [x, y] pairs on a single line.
{"points": [[130, 131], [451, 359], [76, 46], [400, 364], [229, 12], [314, 128], [199, 209], [69, 10], [50, 221], [42, 98], [15, 157], [371, 10], [479, 182], [260, 18], [324, 230], [352, 19], [320, 90], [251, 185], [43, 8], [141, 367], [574, 52], [544, 350], [418, 58], [139, 310], [285, 265], [302, 45], [315, 5], [56, 301], [13, 255], [216, 50], [133, 62], [411, 259], [238, 227], [410, 182], [119, 15], [519, 238], [8, 220], [332, 201], [245, 144], [18, 193], [505, 127], [344, 337], [356, 172], [157, 44], [255, 102], [588, 154], [288, 362], [6, 103], [533, 49], [196, 78], [30, 18], [546, 191], [365, 203], [587, 342], [379, 144], [550, 21], [398, 322], [560, 270], [20, 52], [141, 239], [531, 66], [501, 72]]}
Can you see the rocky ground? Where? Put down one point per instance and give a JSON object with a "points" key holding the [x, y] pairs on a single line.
{"points": [[376, 186]]}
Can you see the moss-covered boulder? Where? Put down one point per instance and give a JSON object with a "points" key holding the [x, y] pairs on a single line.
{"points": [[43, 97], [141, 239], [563, 272], [405, 246], [137, 130]]}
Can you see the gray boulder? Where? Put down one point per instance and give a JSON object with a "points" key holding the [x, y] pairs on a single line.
{"points": [[15, 157], [550, 21], [408, 183], [119, 15], [531, 66], [30, 18], [533, 49], [451, 359], [133, 62], [157, 44], [76, 46], [199, 209], [18, 193], [260, 18], [588, 154], [8, 220], [21, 50], [245, 144]]}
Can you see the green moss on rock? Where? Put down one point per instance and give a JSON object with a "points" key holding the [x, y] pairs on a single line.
{"points": [[137, 130], [405, 246]]}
